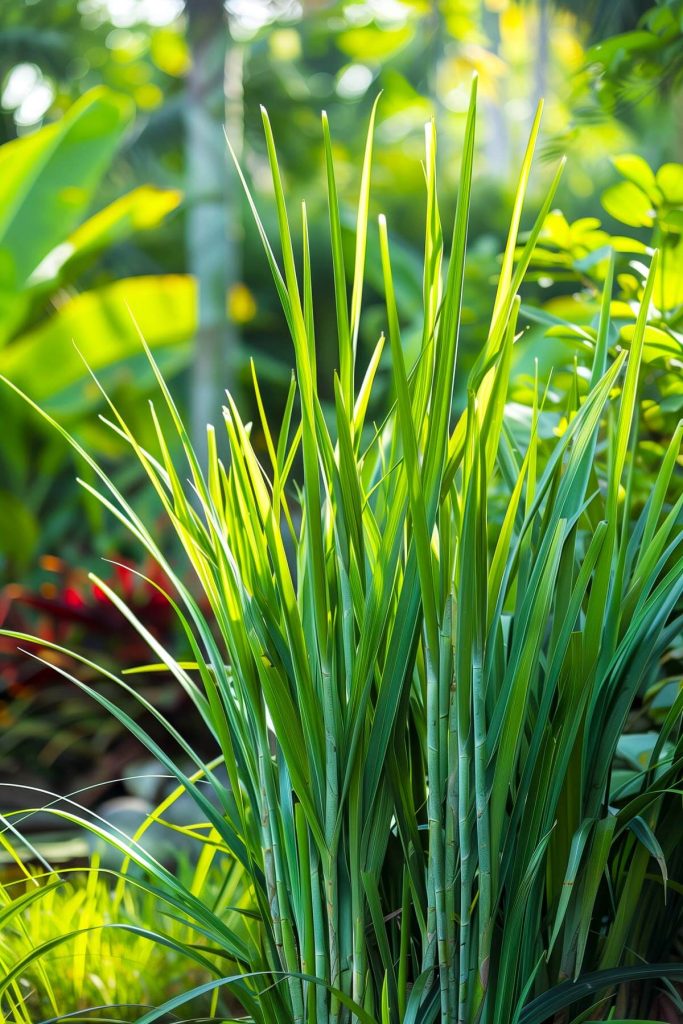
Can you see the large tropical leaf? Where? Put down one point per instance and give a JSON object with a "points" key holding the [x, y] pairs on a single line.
{"points": [[99, 327], [49, 180]]}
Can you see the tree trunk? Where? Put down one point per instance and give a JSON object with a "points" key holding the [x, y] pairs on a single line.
{"points": [[497, 138], [541, 63], [212, 250]]}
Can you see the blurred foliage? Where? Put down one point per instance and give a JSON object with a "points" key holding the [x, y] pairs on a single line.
{"points": [[650, 56], [299, 58], [51, 302], [571, 262]]}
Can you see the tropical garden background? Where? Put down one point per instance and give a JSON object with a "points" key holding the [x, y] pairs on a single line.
{"points": [[122, 215]]}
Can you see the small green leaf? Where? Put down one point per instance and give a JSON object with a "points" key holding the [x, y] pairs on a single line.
{"points": [[628, 204], [635, 169], [669, 180], [657, 342]]}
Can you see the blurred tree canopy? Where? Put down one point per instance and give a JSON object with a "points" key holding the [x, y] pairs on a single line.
{"points": [[610, 74]]}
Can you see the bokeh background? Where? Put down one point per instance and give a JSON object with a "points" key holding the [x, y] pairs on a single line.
{"points": [[121, 211], [151, 83]]}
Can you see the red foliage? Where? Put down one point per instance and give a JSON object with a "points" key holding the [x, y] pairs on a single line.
{"points": [[54, 735], [70, 610]]}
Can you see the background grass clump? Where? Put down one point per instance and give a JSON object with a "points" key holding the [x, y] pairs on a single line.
{"points": [[109, 964]]}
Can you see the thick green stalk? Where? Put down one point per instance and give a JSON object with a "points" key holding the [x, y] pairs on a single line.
{"points": [[436, 853], [452, 830], [287, 943], [307, 937], [269, 864], [484, 914], [404, 951], [466, 873], [332, 902], [331, 811], [321, 955], [359, 945]]}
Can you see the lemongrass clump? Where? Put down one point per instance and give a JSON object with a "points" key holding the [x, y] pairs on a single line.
{"points": [[419, 714]]}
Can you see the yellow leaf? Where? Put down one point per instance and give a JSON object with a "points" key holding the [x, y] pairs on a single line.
{"points": [[170, 53], [241, 303]]}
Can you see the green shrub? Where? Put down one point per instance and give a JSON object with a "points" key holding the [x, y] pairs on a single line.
{"points": [[418, 690], [648, 209]]}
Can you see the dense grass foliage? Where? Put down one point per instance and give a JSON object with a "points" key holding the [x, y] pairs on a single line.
{"points": [[421, 655], [110, 961]]}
